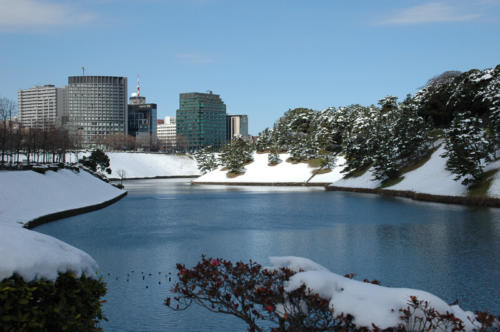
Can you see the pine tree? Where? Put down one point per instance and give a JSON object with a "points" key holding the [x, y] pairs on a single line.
{"points": [[206, 160], [235, 155], [466, 148], [273, 158]]}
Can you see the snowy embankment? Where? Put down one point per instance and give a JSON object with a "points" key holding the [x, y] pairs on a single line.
{"points": [[431, 178], [27, 196], [151, 165], [368, 303], [261, 173]]}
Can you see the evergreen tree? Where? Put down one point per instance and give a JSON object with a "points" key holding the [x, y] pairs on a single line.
{"points": [[206, 160], [273, 158], [466, 148], [235, 155], [358, 138], [264, 140], [98, 161]]}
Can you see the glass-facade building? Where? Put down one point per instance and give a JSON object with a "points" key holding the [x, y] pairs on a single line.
{"points": [[142, 122], [201, 119], [97, 106]]}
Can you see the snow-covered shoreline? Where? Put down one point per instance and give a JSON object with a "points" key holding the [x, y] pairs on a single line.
{"points": [[429, 182], [29, 198]]}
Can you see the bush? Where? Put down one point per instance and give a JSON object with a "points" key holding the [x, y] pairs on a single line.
{"points": [[68, 304], [257, 296]]}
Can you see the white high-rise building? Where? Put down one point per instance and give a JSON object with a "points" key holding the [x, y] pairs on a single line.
{"points": [[97, 106], [167, 133], [42, 106]]}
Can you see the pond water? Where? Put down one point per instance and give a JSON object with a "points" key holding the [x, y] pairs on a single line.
{"points": [[451, 251]]}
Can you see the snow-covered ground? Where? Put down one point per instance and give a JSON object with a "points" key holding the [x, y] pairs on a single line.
{"points": [[494, 190], [431, 178], [368, 303], [27, 195], [150, 165], [259, 172]]}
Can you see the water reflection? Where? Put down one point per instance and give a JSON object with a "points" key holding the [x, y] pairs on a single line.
{"points": [[451, 251]]}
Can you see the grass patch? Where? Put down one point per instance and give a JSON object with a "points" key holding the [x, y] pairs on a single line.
{"points": [[481, 189], [357, 172], [232, 175], [223, 169], [391, 182], [273, 164], [314, 163], [321, 171]]}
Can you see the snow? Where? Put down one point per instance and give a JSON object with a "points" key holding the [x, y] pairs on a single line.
{"points": [[432, 178], [150, 165], [259, 172], [366, 180], [494, 190], [26, 195], [334, 175], [34, 256], [368, 303]]}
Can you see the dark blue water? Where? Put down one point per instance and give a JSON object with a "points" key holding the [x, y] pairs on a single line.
{"points": [[451, 251]]}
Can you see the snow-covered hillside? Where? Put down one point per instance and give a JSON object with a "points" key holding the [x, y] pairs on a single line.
{"points": [[259, 172], [150, 165], [431, 178], [27, 195]]}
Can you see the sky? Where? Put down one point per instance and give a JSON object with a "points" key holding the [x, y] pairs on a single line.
{"points": [[262, 57]]}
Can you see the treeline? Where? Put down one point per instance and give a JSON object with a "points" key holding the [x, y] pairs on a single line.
{"points": [[460, 110]]}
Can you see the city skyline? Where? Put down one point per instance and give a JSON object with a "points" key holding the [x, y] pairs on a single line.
{"points": [[263, 57]]}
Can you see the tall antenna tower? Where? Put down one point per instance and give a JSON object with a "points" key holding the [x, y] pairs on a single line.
{"points": [[138, 86], [83, 71]]}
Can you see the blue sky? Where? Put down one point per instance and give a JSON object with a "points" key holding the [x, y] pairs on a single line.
{"points": [[262, 57]]}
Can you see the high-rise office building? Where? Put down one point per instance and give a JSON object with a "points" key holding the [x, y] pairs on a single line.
{"points": [[236, 126], [97, 106], [201, 119], [142, 121], [42, 106], [167, 133]]}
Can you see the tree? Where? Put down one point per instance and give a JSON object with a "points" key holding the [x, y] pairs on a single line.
{"points": [[466, 148], [235, 155], [444, 78], [206, 160], [121, 174], [273, 158], [7, 110], [98, 161]]}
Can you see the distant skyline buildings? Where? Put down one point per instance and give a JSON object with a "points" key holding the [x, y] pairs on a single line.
{"points": [[201, 119], [236, 126], [42, 106], [142, 124], [97, 106]]}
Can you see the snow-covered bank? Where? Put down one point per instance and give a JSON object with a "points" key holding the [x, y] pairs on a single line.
{"points": [[432, 178], [368, 303], [28, 195], [260, 172], [151, 165]]}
